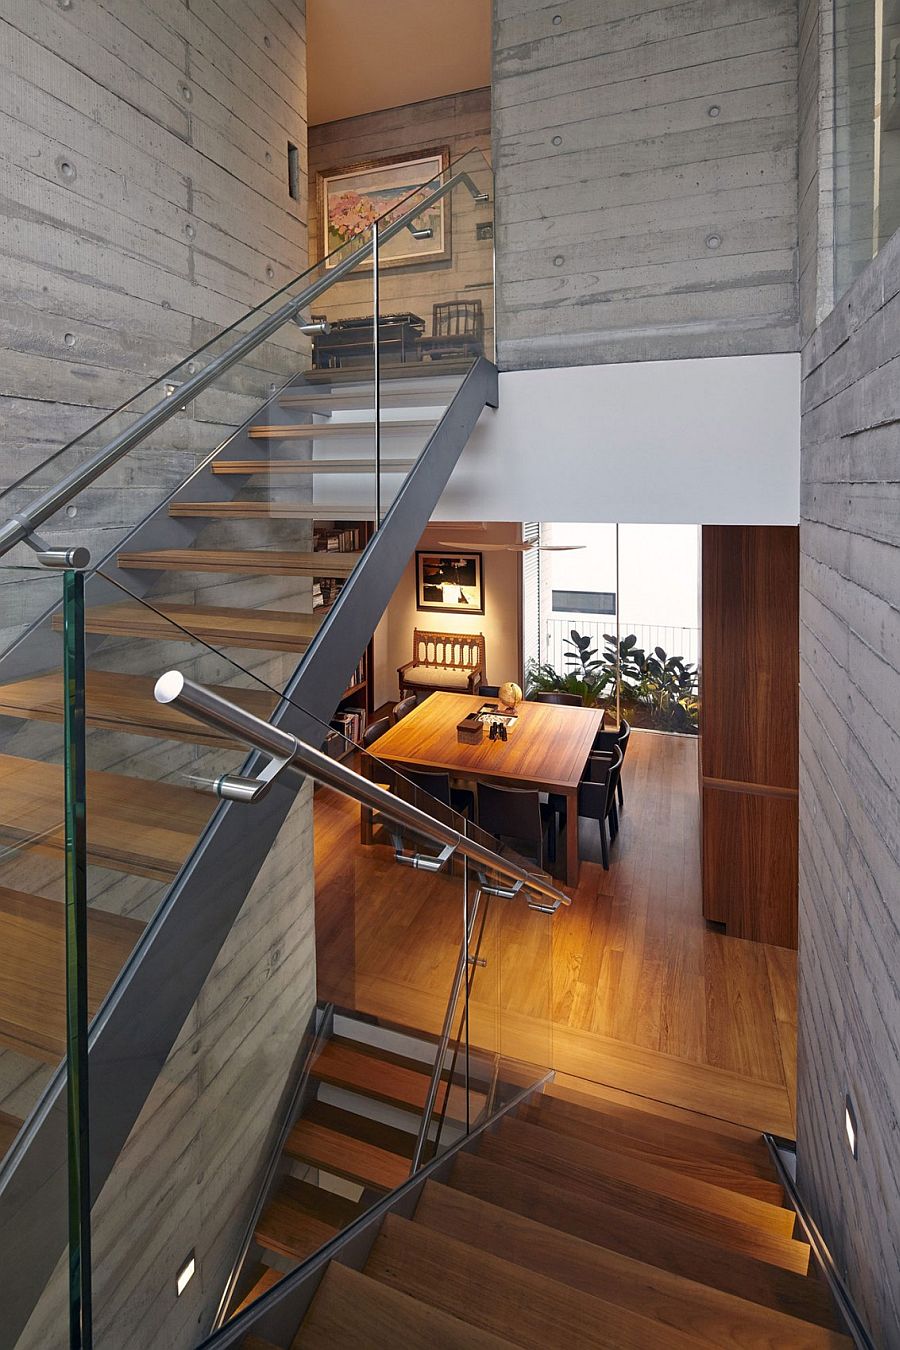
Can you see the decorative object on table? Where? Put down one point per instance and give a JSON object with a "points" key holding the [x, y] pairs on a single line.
{"points": [[497, 729], [352, 197], [453, 662], [470, 731], [509, 694], [449, 582], [457, 331]]}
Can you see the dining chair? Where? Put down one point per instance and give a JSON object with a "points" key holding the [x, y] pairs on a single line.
{"points": [[488, 691], [558, 696], [597, 798], [517, 817], [374, 730], [437, 785], [403, 708], [606, 741]]}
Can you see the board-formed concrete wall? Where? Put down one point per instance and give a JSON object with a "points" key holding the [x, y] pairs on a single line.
{"points": [[850, 788], [143, 168], [646, 162]]}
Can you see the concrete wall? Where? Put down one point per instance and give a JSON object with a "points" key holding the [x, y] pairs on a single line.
{"points": [[691, 442], [850, 788], [143, 166], [192, 1167], [462, 122], [646, 161], [816, 160], [499, 622]]}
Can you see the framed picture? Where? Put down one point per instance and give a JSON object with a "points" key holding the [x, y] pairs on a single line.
{"points": [[351, 198], [449, 581]]}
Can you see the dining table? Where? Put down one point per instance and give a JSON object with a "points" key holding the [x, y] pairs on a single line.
{"points": [[546, 749]]}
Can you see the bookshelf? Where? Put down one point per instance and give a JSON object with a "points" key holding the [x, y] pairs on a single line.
{"points": [[357, 702]]}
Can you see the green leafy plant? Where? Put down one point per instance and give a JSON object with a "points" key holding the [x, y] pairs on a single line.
{"points": [[656, 689], [588, 677]]}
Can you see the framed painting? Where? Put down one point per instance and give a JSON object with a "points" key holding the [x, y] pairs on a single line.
{"points": [[449, 582], [351, 198]]}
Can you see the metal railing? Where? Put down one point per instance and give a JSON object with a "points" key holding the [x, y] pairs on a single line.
{"points": [[287, 753], [22, 528], [675, 640]]}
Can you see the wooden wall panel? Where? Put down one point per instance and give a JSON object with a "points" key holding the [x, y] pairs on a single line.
{"points": [[749, 729]]}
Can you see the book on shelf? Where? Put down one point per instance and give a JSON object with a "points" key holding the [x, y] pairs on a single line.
{"points": [[350, 724], [328, 539]]}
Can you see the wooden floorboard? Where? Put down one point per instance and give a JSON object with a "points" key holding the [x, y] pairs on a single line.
{"points": [[645, 997]]}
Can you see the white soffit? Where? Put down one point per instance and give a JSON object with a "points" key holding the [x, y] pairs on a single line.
{"points": [[713, 441]]}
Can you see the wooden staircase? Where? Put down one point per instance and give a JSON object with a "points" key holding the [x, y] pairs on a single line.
{"points": [[589, 1224]]}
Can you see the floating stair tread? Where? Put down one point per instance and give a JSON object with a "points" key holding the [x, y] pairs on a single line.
{"points": [[343, 1065], [730, 1173], [313, 431], [642, 1237], [117, 702], [649, 1204], [9, 1128], [349, 1309], [134, 824], [494, 1294], [275, 510], [266, 1278], [252, 562], [712, 1316], [301, 1217], [592, 1161], [267, 629], [351, 1146], [33, 969], [309, 467]]}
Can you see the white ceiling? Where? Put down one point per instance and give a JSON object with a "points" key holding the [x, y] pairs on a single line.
{"points": [[363, 55]]}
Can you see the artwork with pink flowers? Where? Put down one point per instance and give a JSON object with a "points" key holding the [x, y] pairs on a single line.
{"points": [[353, 198]]}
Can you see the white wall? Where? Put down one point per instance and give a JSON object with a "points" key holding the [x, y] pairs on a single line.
{"points": [[707, 441]]}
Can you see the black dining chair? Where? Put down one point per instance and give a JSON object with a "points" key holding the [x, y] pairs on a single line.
{"points": [[404, 707], [607, 741], [517, 817], [437, 785], [374, 730], [597, 798], [559, 696], [488, 691]]}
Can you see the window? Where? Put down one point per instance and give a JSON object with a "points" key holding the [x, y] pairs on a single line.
{"points": [[584, 602]]}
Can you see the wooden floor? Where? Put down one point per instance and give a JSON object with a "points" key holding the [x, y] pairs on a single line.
{"points": [[629, 987]]}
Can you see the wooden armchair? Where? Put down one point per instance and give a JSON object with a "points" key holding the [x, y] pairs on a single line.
{"points": [[453, 662]]}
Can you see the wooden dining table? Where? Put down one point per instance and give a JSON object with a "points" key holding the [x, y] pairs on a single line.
{"points": [[546, 749]]}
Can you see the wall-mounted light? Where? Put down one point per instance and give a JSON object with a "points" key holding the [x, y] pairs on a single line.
{"points": [[185, 1274], [850, 1126]]}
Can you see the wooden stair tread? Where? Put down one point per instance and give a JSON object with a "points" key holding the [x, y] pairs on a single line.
{"points": [[308, 467], [314, 431], [494, 1294], [134, 824], [716, 1138], [343, 1065], [267, 629], [642, 1237], [265, 1279], [275, 510], [591, 1160], [638, 1199], [117, 702], [730, 1172], [33, 969], [301, 1217], [351, 1146], [617, 1101], [9, 1128], [711, 1315], [257, 1343], [274, 563], [350, 1309]]}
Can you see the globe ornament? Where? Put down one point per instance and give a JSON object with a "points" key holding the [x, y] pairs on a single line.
{"points": [[509, 694]]}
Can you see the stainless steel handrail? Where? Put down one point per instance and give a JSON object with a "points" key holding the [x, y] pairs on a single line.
{"points": [[18, 528], [286, 751]]}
